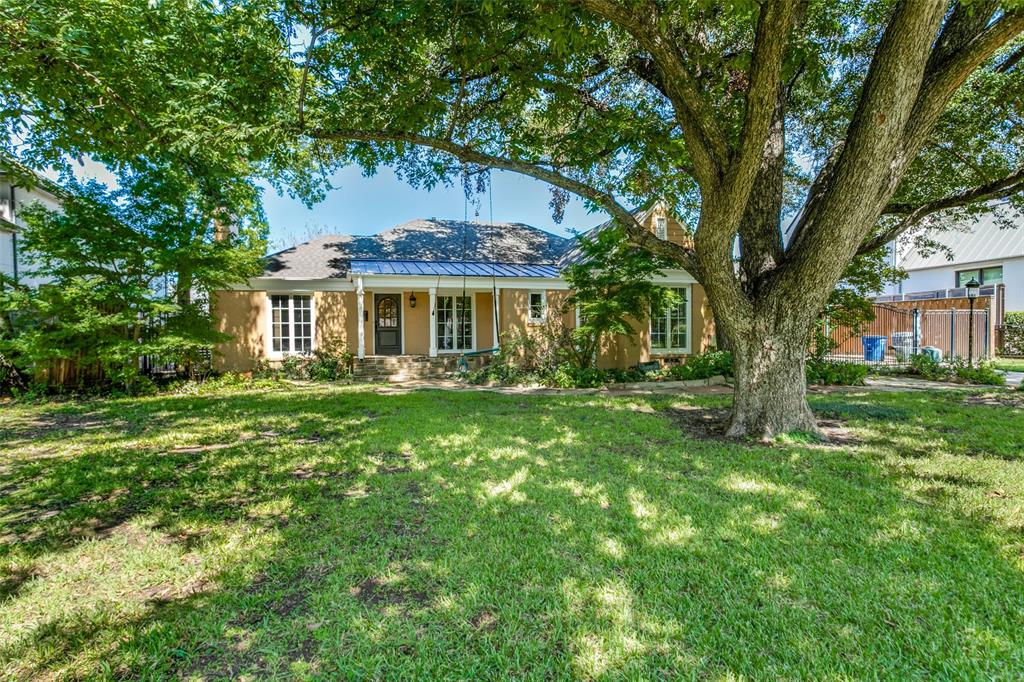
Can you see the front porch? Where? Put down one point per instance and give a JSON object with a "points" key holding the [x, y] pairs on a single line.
{"points": [[434, 309], [430, 323]]}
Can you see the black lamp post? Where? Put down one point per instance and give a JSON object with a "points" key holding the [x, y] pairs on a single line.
{"points": [[973, 288]]}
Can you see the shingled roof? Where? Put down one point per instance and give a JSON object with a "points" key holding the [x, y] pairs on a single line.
{"points": [[419, 240], [573, 253]]}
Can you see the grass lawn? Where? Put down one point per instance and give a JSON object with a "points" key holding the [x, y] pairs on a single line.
{"points": [[1010, 364], [337, 532]]}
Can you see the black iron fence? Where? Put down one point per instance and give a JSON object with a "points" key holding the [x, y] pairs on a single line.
{"points": [[896, 334]]}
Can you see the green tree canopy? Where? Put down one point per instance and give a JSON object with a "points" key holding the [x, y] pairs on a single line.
{"points": [[888, 111], [126, 274]]}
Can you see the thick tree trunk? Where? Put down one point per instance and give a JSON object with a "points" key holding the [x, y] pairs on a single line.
{"points": [[770, 396], [769, 350]]}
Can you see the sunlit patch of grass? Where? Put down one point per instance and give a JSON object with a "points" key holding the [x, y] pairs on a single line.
{"points": [[1009, 364], [325, 532]]}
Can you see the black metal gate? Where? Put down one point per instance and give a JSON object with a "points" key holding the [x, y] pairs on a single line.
{"points": [[896, 334]]}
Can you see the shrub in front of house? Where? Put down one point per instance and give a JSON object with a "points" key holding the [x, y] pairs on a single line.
{"points": [[835, 373], [927, 367], [331, 361], [959, 370], [507, 371], [983, 373], [712, 363], [1013, 334]]}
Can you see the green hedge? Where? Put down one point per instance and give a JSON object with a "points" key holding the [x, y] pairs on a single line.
{"points": [[1013, 334], [565, 375]]}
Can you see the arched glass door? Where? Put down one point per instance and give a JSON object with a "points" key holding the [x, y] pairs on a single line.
{"points": [[388, 324]]}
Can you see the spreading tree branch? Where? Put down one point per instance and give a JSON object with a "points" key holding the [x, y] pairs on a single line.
{"points": [[705, 139], [950, 69], [1011, 60], [773, 26], [913, 214], [315, 34], [637, 233]]}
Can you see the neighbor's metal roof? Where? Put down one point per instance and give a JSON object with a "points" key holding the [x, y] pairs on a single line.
{"points": [[451, 268], [982, 240]]}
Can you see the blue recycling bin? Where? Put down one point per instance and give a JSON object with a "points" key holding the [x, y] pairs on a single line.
{"points": [[874, 347]]}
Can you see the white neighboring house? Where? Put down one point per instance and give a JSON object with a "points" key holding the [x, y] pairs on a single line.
{"points": [[984, 250], [13, 198]]}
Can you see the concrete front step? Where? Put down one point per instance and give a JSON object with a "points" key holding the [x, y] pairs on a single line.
{"points": [[407, 367]]}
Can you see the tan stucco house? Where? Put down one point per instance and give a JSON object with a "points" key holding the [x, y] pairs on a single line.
{"points": [[400, 293]]}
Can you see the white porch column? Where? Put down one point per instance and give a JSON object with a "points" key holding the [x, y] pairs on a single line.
{"points": [[360, 314], [495, 311], [433, 322]]}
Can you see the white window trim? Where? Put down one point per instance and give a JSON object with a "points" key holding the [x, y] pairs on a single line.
{"points": [[661, 222], [689, 328], [530, 319], [472, 321], [272, 354]]}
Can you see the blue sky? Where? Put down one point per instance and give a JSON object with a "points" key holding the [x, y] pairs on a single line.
{"points": [[366, 205]]}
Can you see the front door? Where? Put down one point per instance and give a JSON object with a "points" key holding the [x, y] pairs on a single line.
{"points": [[387, 323]]}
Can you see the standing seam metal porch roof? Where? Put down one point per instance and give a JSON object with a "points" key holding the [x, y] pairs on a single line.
{"points": [[451, 268]]}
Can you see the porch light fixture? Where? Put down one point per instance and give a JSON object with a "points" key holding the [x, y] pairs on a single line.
{"points": [[412, 300]]}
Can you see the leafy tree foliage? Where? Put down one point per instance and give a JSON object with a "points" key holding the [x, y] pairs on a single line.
{"points": [[194, 84], [128, 273], [719, 108], [614, 287], [180, 99]]}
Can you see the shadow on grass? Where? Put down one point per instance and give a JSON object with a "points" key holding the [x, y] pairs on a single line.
{"points": [[338, 532]]}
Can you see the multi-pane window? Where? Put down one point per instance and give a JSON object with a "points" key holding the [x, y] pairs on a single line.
{"points": [[668, 330], [538, 304], [990, 275], [661, 227], [387, 313], [454, 323], [291, 323]]}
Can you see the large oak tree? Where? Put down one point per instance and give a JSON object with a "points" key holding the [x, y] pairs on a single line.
{"points": [[902, 108]]}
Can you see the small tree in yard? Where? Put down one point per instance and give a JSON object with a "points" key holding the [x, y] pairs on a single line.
{"points": [[122, 271], [613, 289]]}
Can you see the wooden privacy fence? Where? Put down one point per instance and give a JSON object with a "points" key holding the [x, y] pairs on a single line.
{"points": [[69, 373], [898, 332]]}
